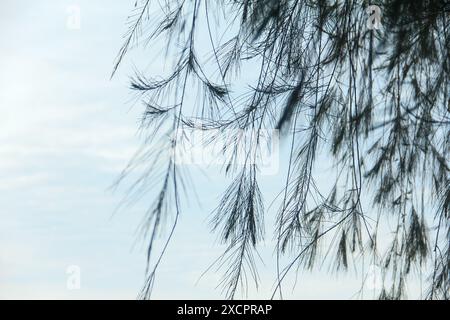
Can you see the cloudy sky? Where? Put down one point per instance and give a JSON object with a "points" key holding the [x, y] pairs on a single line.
{"points": [[66, 132]]}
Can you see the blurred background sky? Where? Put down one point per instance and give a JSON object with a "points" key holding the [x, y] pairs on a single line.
{"points": [[66, 132]]}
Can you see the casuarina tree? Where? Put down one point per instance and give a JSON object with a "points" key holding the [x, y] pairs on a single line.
{"points": [[363, 84]]}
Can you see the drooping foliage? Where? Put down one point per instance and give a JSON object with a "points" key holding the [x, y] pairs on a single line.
{"points": [[375, 100]]}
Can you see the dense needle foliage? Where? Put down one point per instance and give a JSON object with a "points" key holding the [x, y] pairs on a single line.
{"points": [[375, 100]]}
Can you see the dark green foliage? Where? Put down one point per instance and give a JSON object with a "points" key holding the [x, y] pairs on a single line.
{"points": [[378, 100]]}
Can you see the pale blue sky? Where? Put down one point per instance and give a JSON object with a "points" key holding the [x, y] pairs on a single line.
{"points": [[66, 131]]}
